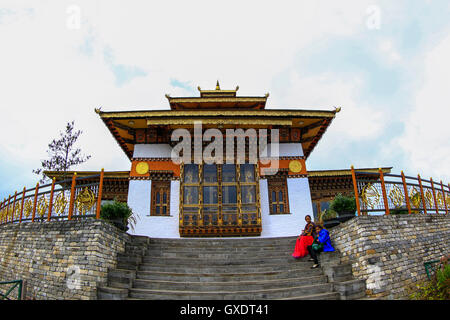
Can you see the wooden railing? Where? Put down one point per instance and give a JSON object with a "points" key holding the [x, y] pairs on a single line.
{"points": [[378, 193], [72, 198]]}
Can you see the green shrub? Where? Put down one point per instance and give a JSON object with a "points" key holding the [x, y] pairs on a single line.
{"points": [[436, 289], [118, 211], [398, 211], [342, 204]]}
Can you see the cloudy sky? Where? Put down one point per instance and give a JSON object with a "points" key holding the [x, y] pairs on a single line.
{"points": [[386, 63]]}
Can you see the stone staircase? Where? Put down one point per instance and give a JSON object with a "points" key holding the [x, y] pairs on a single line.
{"points": [[217, 269]]}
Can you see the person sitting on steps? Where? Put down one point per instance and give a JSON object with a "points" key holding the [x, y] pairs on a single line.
{"points": [[305, 239], [322, 242]]}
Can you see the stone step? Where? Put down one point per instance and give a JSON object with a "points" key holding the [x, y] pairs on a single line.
{"points": [[219, 269], [110, 293], [248, 285], [225, 277], [224, 244], [119, 278], [285, 246], [124, 258], [139, 240], [350, 289], [320, 296], [239, 261], [181, 250], [277, 293], [221, 241], [218, 255]]}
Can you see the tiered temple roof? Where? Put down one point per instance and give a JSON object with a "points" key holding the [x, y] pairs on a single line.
{"points": [[216, 109]]}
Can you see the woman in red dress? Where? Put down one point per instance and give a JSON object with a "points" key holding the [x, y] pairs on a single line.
{"points": [[305, 239]]}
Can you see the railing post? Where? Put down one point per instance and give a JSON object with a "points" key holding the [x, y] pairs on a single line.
{"points": [[434, 196], [14, 206], [383, 189], [443, 196], [99, 194], [355, 188], [21, 206], [72, 196], [405, 188], [1, 209], [422, 195], [50, 204], [35, 202]]}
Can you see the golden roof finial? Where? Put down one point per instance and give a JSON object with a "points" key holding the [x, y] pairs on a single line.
{"points": [[217, 85]]}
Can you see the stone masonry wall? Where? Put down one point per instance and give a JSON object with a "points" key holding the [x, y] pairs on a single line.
{"points": [[60, 259], [389, 251]]}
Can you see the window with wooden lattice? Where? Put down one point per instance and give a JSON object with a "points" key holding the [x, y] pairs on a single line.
{"points": [[160, 204], [278, 195]]}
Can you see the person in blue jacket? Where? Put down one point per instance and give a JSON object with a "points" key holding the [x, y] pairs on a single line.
{"points": [[322, 242]]}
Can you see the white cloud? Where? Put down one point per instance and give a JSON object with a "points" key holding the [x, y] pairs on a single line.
{"points": [[427, 130], [51, 74], [326, 91]]}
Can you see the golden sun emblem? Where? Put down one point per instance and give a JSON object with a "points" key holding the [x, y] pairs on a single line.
{"points": [[142, 167], [295, 166]]}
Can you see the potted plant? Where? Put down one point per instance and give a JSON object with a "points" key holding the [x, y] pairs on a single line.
{"points": [[119, 214], [328, 218], [344, 206]]}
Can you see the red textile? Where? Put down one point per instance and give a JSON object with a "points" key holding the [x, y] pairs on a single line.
{"points": [[300, 246]]}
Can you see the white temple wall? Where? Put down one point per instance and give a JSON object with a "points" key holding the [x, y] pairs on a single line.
{"points": [[152, 151], [286, 150], [153, 226], [300, 205]]}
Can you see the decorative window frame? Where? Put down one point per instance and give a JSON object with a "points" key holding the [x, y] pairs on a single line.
{"points": [[276, 185], [161, 187]]}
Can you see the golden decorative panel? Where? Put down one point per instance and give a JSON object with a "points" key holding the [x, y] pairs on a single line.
{"points": [[42, 206], [27, 208], [85, 200], [415, 197], [396, 196], [440, 200], [370, 196], [10, 212], [60, 203], [17, 210], [429, 199]]}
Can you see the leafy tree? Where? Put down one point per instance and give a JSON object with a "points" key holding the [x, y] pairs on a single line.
{"points": [[62, 153]]}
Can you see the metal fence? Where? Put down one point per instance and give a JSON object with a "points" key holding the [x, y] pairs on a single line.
{"points": [[378, 193], [12, 290], [73, 198]]}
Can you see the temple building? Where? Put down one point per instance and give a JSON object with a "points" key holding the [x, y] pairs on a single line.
{"points": [[242, 172]]}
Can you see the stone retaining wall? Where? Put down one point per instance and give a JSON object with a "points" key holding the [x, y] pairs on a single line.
{"points": [[389, 251], [60, 259]]}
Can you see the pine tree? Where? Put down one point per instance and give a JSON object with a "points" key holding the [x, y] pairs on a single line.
{"points": [[62, 153]]}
